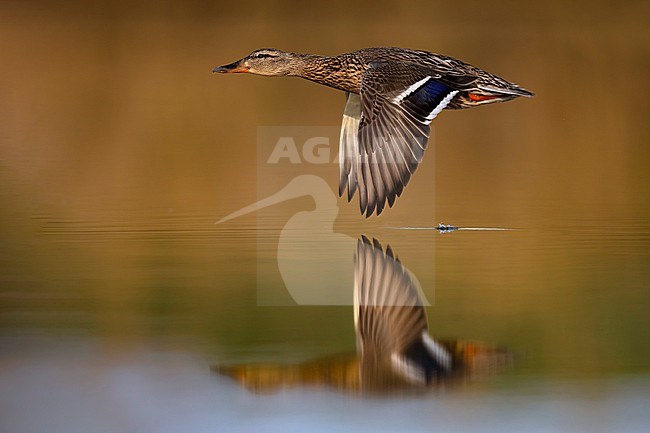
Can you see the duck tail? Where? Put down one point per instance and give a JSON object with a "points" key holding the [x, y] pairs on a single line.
{"points": [[488, 94]]}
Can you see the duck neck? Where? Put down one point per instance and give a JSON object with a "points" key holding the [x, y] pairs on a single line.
{"points": [[330, 71]]}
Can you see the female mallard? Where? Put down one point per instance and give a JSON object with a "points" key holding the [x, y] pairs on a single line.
{"points": [[393, 94]]}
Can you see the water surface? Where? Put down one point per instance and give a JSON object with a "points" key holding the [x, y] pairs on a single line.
{"points": [[119, 151]]}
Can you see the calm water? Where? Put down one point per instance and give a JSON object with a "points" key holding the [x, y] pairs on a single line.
{"points": [[121, 299]]}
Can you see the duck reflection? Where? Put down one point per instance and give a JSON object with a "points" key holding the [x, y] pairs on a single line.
{"points": [[394, 349]]}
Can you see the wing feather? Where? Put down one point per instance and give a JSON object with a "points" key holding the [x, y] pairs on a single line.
{"points": [[349, 146], [385, 131], [397, 105]]}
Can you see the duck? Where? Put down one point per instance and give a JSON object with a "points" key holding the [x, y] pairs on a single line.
{"points": [[392, 96]]}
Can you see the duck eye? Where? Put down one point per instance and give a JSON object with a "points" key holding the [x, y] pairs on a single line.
{"points": [[263, 55]]}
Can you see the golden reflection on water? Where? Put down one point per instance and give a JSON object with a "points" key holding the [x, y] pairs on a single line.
{"points": [[395, 352]]}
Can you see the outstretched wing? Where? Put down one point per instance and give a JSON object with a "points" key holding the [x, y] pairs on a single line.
{"points": [[398, 101]]}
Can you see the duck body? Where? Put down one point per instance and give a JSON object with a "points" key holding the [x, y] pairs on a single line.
{"points": [[476, 86], [393, 94]]}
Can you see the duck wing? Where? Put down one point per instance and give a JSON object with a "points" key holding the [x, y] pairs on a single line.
{"points": [[396, 104]]}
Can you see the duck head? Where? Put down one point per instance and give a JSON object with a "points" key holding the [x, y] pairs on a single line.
{"points": [[265, 61]]}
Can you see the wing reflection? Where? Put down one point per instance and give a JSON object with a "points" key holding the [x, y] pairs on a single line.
{"points": [[394, 349]]}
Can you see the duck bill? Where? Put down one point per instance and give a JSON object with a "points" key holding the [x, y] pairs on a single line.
{"points": [[233, 68]]}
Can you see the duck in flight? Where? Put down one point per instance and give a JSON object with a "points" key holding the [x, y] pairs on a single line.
{"points": [[393, 95]]}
